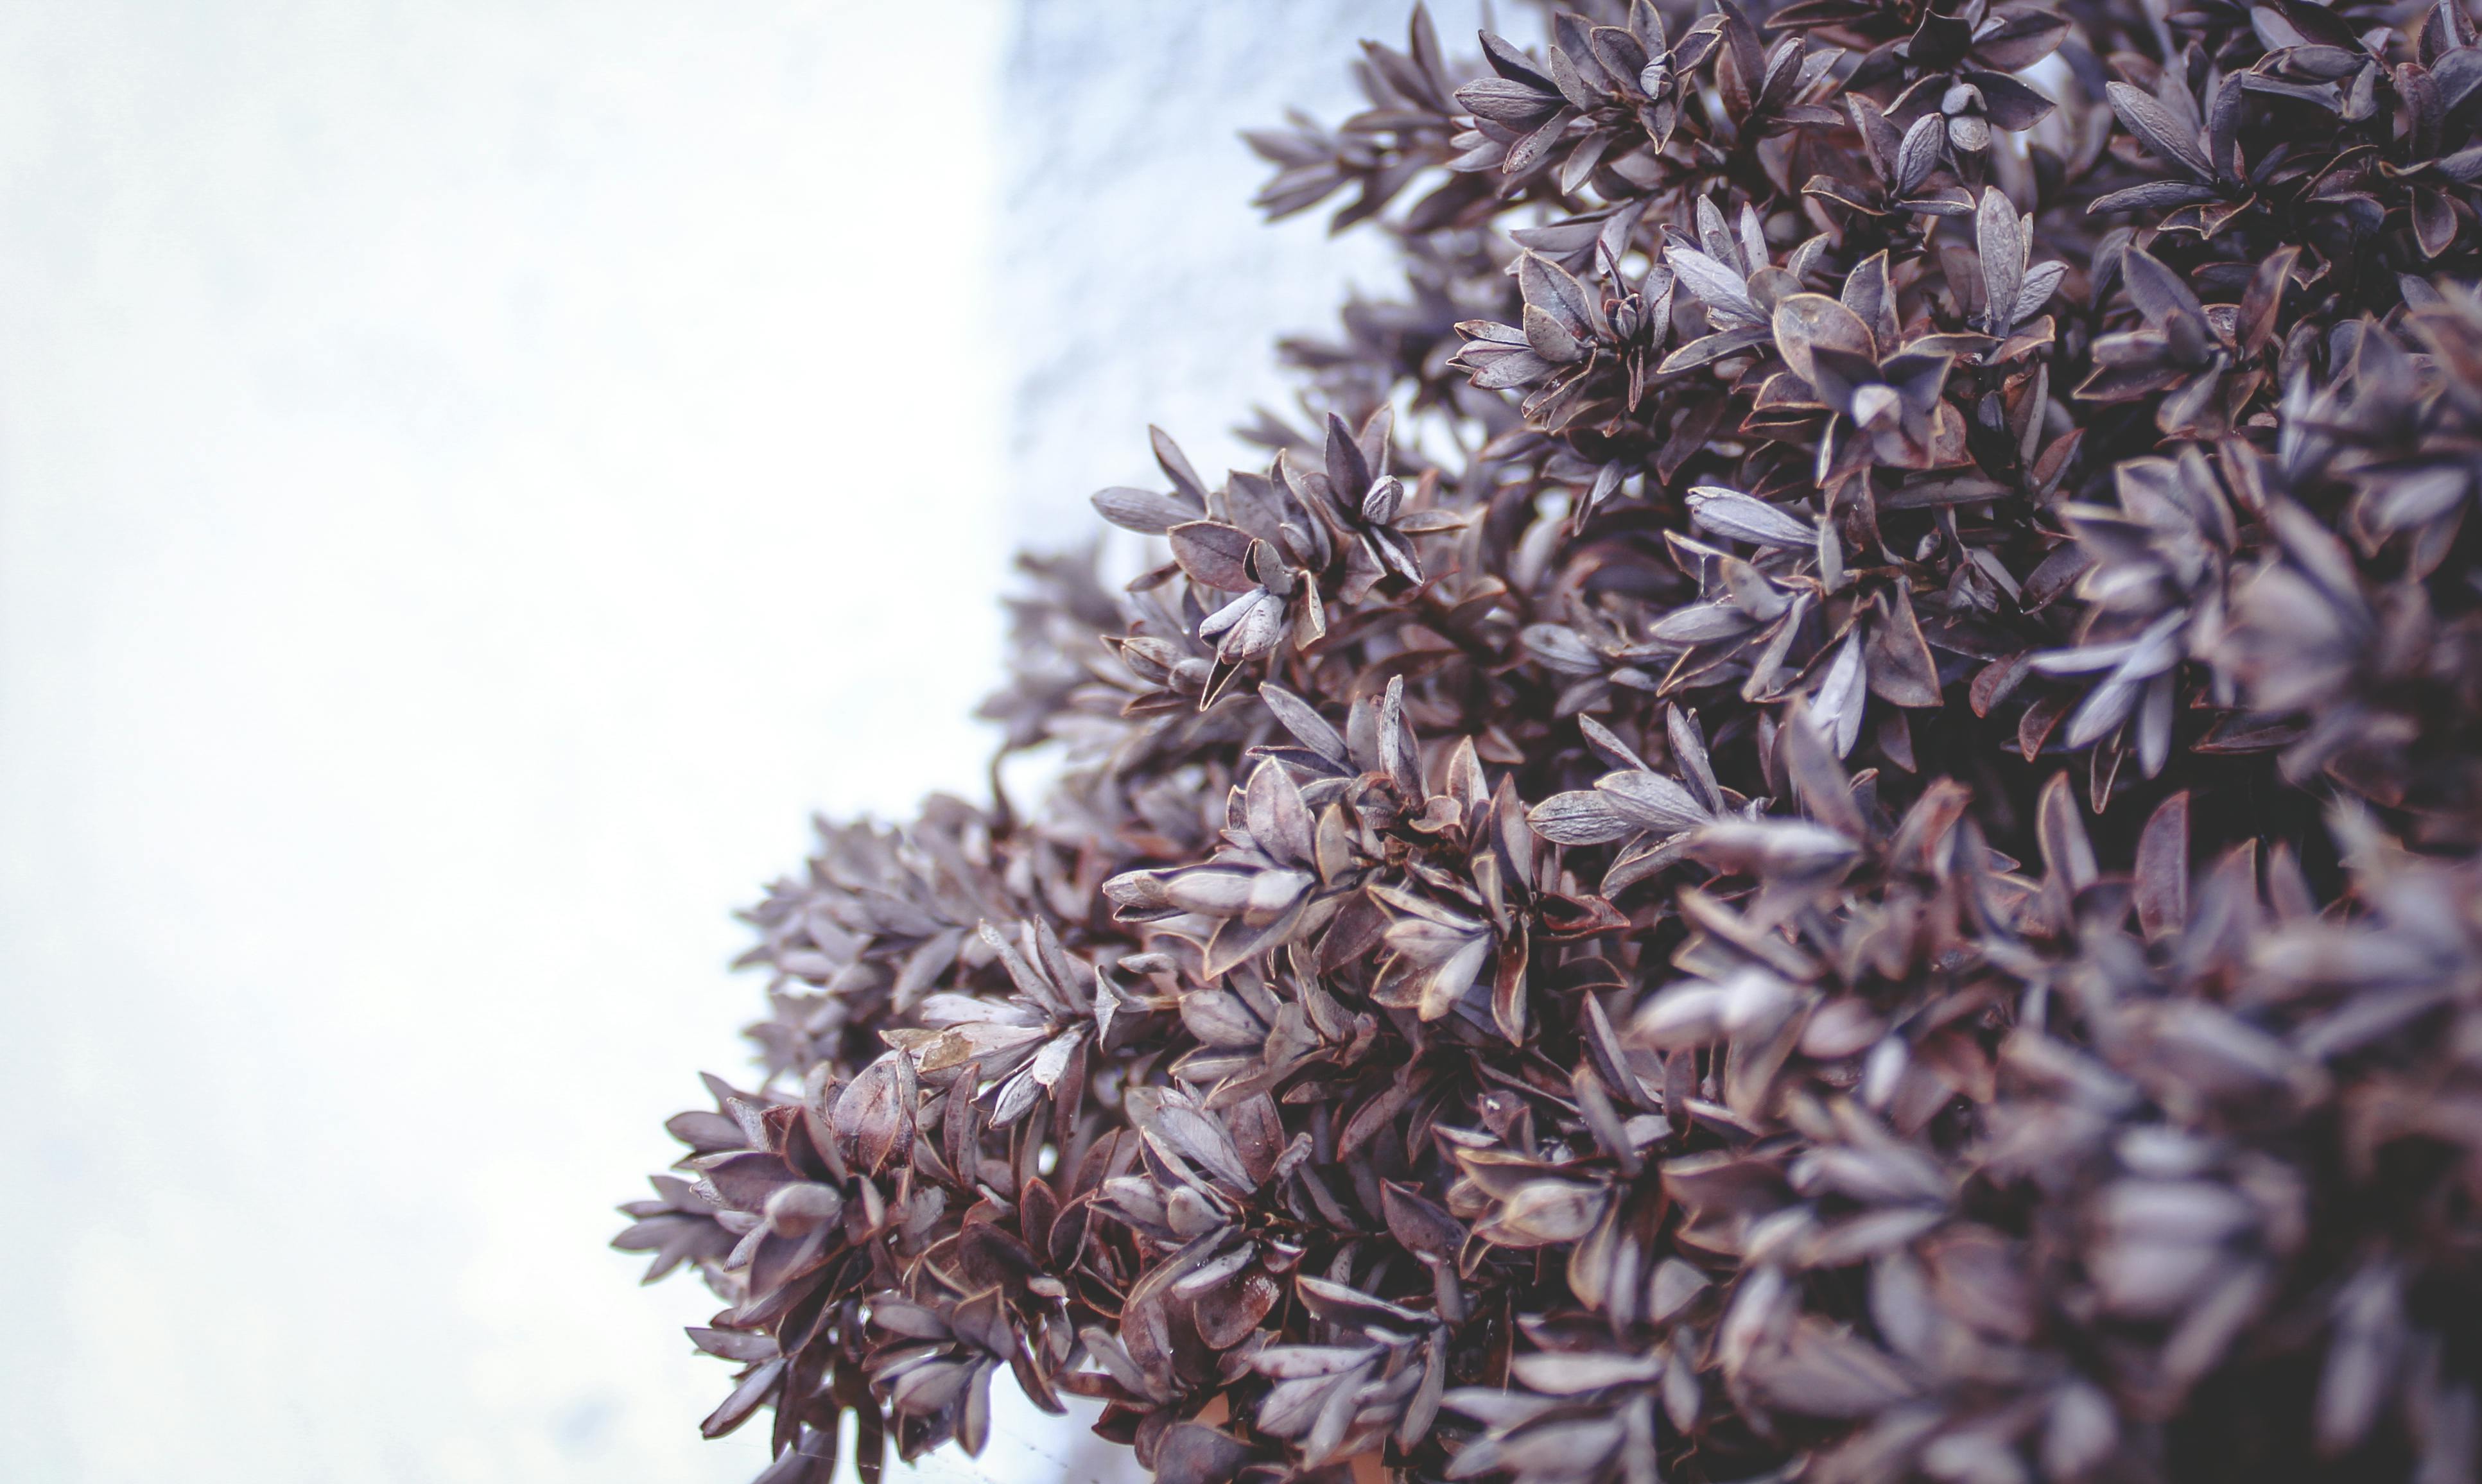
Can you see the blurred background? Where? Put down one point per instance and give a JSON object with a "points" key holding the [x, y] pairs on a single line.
{"points": [[474, 477]]}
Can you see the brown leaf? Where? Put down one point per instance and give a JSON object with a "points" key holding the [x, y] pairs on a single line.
{"points": [[1214, 553], [875, 1112], [2162, 884]]}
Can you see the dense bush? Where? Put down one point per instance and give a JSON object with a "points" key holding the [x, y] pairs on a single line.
{"points": [[1823, 827]]}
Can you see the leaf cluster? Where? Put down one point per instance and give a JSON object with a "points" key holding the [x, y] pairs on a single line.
{"points": [[1817, 819]]}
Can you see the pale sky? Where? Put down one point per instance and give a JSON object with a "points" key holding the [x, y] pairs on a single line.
{"points": [[461, 470]]}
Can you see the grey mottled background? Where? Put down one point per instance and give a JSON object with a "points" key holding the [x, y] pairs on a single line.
{"points": [[1137, 285]]}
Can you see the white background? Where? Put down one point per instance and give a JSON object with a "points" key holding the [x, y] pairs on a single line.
{"points": [[473, 475]]}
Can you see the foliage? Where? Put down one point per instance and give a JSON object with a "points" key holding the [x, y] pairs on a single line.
{"points": [[1822, 826]]}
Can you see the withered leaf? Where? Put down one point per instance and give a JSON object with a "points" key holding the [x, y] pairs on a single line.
{"points": [[875, 1112]]}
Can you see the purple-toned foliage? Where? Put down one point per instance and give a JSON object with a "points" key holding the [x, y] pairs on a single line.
{"points": [[1821, 824]]}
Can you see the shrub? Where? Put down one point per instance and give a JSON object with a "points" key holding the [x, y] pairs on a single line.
{"points": [[1822, 826]]}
